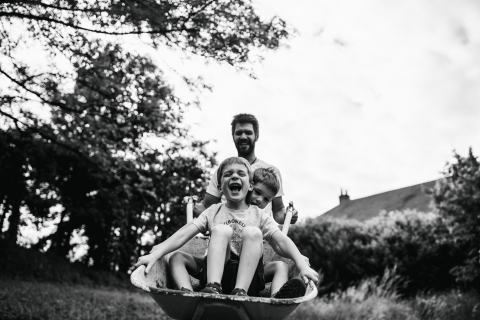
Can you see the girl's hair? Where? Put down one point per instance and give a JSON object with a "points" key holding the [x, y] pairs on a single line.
{"points": [[233, 160]]}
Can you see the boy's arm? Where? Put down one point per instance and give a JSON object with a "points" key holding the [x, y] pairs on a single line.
{"points": [[177, 240], [289, 250], [205, 204], [278, 211]]}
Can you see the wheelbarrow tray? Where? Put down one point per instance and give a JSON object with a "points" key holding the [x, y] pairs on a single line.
{"points": [[195, 305]]}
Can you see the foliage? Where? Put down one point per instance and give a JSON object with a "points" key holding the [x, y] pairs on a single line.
{"points": [[340, 249], [76, 115], [419, 246], [458, 199], [414, 244], [30, 265]]}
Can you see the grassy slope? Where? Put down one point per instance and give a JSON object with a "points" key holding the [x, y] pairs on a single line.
{"points": [[37, 300], [44, 286], [447, 306], [38, 286]]}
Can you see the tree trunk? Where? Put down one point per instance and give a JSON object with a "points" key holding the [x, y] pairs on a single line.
{"points": [[14, 222], [3, 213]]}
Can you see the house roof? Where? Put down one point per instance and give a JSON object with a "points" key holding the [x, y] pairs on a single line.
{"points": [[413, 197]]}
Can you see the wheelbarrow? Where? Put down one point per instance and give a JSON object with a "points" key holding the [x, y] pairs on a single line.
{"points": [[195, 305]]}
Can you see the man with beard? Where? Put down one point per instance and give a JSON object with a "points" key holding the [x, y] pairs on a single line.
{"points": [[245, 132]]}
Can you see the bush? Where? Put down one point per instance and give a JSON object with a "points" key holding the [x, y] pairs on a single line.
{"points": [[416, 244], [458, 199], [31, 265]]}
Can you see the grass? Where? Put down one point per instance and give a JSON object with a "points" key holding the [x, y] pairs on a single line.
{"points": [[378, 300], [39, 300], [39, 286], [36, 300]]}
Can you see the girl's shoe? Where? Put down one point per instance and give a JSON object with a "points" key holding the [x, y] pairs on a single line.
{"points": [[239, 292], [212, 287], [293, 288]]}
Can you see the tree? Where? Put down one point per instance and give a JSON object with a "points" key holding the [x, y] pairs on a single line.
{"points": [[84, 160], [458, 198]]}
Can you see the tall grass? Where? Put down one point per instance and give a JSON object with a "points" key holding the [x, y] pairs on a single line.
{"points": [[377, 299], [52, 301], [449, 306]]}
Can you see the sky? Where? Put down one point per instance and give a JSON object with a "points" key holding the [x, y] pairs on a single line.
{"points": [[369, 96]]}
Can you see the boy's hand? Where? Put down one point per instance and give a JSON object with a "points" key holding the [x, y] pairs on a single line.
{"points": [[294, 216], [308, 273], [148, 260]]}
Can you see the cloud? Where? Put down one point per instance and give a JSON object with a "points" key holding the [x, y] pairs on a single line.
{"points": [[371, 96]]}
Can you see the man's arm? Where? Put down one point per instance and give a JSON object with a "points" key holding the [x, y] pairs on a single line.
{"points": [[177, 240], [289, 250], [205, 204], [278, 211]]}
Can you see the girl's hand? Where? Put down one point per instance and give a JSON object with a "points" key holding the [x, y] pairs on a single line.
{"points": [[154, 247], [148, 260], [308, 273]]}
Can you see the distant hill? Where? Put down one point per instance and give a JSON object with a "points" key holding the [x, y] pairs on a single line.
{"points": [[413, 197]]}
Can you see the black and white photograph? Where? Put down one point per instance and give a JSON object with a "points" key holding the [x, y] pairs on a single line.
{"points": [[240, 159]]}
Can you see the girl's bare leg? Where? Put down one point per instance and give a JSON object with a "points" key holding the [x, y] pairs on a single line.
{"points": [[252, 250], [277, 273], [182, 264], [218, 252]]}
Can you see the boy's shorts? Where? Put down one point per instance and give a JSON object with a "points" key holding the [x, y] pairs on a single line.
{"points": [[230, 275]]}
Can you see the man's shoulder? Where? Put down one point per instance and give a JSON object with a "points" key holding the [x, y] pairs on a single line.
{"points": [[262, 164]]}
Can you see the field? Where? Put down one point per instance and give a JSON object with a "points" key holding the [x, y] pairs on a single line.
{"points": [[34, 300], [42, 300], [42, 286]]}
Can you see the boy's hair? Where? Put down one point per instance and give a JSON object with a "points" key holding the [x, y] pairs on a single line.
{"points": [[267, 177], [246, 118], [233, 160]]}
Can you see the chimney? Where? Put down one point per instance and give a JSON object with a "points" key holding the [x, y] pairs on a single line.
{"points": [[344, 197]]}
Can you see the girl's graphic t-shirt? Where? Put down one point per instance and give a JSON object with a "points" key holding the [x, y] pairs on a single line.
{"points": [[237, 220]]}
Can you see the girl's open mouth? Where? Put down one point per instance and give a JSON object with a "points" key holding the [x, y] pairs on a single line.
{"points": [[235, 187]]}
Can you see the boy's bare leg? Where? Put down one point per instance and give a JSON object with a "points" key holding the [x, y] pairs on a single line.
{"points": [[252, 250], [277, 273], [182, 264], [218, 250]]}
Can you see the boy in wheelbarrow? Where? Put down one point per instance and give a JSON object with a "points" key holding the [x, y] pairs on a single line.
{"points": [[234, 263]]}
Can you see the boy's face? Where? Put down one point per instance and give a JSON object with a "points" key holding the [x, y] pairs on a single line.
{"points": [[260, 196], [235, 182]]}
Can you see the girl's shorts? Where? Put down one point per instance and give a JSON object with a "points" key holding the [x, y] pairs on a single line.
{"points": [[230, 275]]}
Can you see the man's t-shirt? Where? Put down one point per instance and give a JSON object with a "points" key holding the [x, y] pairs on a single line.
{"points": [[212, 187], [237, 220]]}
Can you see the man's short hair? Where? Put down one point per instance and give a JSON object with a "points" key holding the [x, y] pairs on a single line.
{"points": [[245, 118], [233, 160], [267, 177]]}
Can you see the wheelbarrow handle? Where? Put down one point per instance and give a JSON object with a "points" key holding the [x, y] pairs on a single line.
{"points": [[190, 204], [288, 218]]}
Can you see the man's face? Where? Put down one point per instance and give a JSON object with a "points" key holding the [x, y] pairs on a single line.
{"points": [[244, 138], [235, 182], [260, 196]]}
